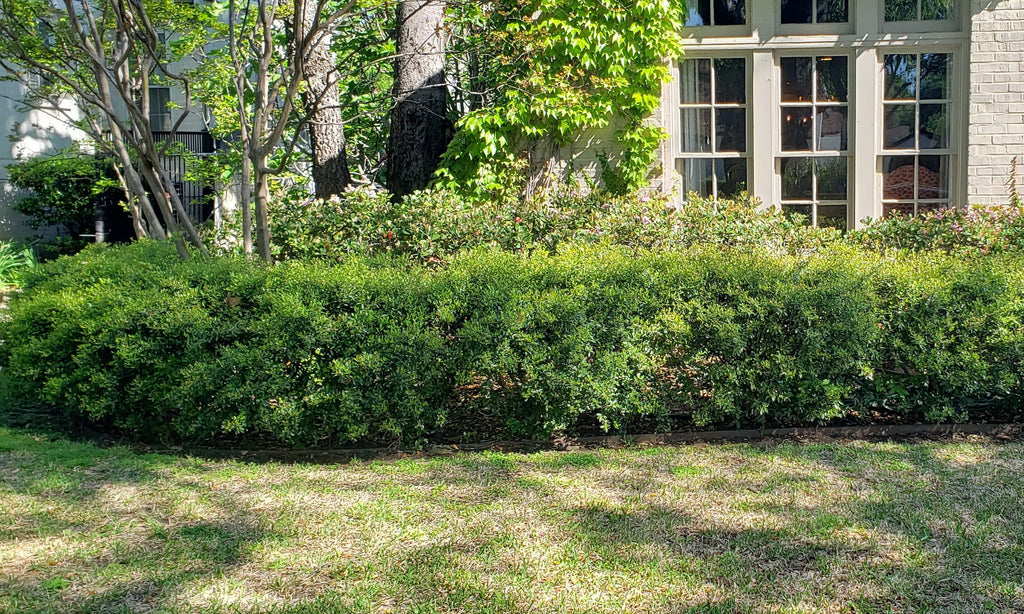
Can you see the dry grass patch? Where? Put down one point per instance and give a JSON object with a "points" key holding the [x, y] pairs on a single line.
{"points": [[854, 527]]}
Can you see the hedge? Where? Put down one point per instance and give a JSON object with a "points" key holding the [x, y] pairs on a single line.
{"points": [[500, 345]]}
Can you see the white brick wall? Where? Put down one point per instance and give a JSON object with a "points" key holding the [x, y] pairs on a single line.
{"points": [[996, 108]]}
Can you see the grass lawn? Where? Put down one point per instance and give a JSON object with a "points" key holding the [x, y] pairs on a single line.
{"points": [[834, 527]]}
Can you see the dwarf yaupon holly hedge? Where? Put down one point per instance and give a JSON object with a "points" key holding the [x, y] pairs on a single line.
{"points": [[510, 345]]}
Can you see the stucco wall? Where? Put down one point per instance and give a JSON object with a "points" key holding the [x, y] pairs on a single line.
{"points": [[996, 130], [24, 134]]}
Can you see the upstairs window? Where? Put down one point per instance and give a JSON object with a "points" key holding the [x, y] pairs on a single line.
{"points": [[717, 13], [815, 11], [159, 109], [919, 10]]}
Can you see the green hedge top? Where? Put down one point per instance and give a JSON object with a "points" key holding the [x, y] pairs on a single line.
{"points": [[497, 344]]}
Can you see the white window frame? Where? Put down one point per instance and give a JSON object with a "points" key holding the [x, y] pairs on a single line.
{"points": [[957, 104], [926, 26], [814, 154], [676, 106], [768, 40], [796, 29]]}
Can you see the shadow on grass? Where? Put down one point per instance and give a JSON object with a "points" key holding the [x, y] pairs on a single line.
{"points": [[799, 528]]}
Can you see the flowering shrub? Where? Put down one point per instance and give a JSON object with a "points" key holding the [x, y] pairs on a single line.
{"points": [[433, 226], [966, 232]]}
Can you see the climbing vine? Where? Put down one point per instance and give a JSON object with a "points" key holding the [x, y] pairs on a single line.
{"points": [[554, 68]]}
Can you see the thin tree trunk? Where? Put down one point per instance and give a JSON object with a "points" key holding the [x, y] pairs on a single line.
{"points": [[262, 221], [420, 130], [245, 203], [163, 200], [135, 185], [323, 106]]}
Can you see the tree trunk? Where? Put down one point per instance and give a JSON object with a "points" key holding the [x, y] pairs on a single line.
{"points": [[262, 206], [420, 130], [323, 105]]}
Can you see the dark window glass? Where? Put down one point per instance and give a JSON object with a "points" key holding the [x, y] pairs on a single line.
{"points": [[833, 11], [731, 130], [934, 76], [797, 11], [797, 128], [915, 10], [797, 75], [730, 12], [900, 10], [833, 74], [832, 216], [832, 178], [804, 211], [731, 81], [900, 76], [797, 179], [937, 9], [934, 131], [898, 130], [732, 178]]}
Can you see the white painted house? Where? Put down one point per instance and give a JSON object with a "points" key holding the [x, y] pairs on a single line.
{"points": [[848, 109]]}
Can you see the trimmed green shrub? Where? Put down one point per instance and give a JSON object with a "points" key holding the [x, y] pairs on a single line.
{"points": [[498, 344]]}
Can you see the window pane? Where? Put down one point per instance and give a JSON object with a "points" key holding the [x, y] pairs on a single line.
{"points": [[696, 176], [797, 11], [796, 79], [804, 211], [923, 208], [900, 76], [934, 127], [934, 76], [731, 130], [701, 15], [731, 81], [696, 130], [898, 131], [730, 12], [797, 128], [900, 10], [832, 216], [833, 11], [832, 79], [732, 177], [898, 178], [933, 177], [695, 81], [832, 128], [936, 9], [832, 179], [898, 209], [797, 178]]}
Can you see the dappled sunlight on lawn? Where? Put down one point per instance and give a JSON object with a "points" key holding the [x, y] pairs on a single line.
{"points": [[833, 527]]}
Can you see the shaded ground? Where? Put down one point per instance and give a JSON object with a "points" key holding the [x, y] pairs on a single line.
{"points": [[826, 527]]}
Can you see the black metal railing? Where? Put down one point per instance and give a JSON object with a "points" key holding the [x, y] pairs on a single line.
{"points": [[196, 196]]}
